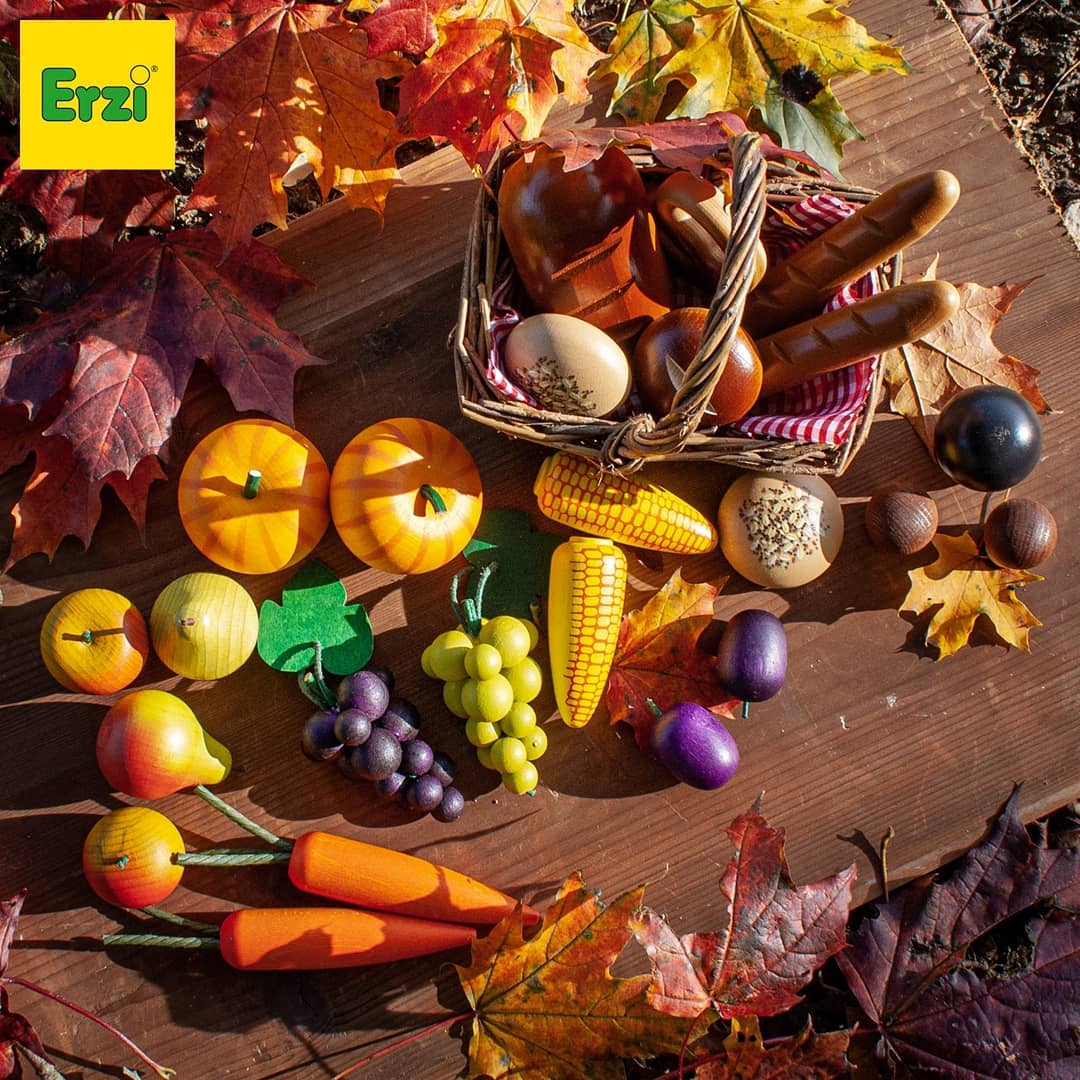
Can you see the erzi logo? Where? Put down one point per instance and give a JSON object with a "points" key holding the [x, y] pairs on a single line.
{"points": [[119, 103], [97, 94]]}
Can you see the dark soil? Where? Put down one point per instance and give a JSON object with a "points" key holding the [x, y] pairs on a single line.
{"points": [[1029, 51]]}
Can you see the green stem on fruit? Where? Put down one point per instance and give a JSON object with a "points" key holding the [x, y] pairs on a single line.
{"points": [[241, 819], [87, 637], [251, 484], [200, 927], [163, 941], [163, 1071], [229, 857], [746, 710], [434, 498], [654, 707], [469, 611], [313, 682]]}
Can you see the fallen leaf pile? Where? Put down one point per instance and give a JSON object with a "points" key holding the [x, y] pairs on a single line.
{"points": [[963, 584]]}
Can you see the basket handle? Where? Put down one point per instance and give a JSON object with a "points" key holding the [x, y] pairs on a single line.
{"points": [[640, 437]]}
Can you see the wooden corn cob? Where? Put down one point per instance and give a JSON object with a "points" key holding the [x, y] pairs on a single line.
{"points": [[586, 591], [577, 493]]}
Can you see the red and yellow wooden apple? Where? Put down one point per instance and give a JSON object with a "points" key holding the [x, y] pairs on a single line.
{"points": [[128, 857], [151, 744], [204, 626], [253, 496], [94, 640], [405, 495], [664, 352]]}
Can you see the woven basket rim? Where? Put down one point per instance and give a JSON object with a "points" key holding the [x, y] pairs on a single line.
{"points": [[590, 437]]}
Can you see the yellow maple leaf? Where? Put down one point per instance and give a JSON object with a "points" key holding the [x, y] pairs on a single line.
{"points": [[730, 55], [548, 1007], [967, 585]]}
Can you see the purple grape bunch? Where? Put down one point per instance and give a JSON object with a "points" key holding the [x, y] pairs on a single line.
{"points": [[375, 736]]}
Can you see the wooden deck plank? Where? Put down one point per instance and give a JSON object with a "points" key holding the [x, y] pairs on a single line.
{"points": [[869, 731]]}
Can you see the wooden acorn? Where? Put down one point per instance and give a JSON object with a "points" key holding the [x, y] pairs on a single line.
{"points": [[1019, 534], [900, 519]]}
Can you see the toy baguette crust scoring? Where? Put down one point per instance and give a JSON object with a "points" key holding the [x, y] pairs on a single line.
{"points": [[841, 337], [802, 284], [697, 219]]}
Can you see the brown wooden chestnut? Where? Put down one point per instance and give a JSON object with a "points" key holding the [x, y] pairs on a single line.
{"points": [[665, 350], [1019, 533], [900, 519]]}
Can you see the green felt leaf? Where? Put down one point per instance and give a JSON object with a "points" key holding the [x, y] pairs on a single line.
{"points": [[313, 608], [524, 557]]}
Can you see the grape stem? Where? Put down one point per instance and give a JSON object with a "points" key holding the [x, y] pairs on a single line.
{"points": [[313, 681], [468, 611], [161, 1070]]}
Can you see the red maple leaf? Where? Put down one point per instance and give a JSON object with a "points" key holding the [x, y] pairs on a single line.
{"points": [[657, 661], [124, 353], [12, 12], [489, 83], [407, 26], [274, 80], [84, 210], [777, 935]]}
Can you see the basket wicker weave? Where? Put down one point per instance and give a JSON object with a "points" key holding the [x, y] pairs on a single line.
{"points": [[626, 444]]}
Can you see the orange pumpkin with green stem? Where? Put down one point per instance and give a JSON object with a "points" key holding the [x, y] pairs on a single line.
{"points": [[253, 496], [405, 496]]}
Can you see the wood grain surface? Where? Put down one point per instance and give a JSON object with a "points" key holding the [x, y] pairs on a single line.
{"points": [[869, 731]]}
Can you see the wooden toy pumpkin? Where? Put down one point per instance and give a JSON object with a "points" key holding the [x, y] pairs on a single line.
{"points": [[253, 496], [405, 495]]}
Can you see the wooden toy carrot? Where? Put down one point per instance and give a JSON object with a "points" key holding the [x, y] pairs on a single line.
{"points": [[309, 939]]}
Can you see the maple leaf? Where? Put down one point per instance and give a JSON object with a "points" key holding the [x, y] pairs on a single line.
{"points": [[915, 971], [923, 376], [554, 19], [487, 84], [406, 26], [657, 658], [549, 1006], [12, 12], [125, 351], [804, 1056], [83, 210], [778, 934], [967, 585], [741, 55], [819, 126], [274, 80]]}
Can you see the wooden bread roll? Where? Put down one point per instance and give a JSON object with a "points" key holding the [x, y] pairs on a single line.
{"points": [[696, 218], [802, 284], [841, 337]]}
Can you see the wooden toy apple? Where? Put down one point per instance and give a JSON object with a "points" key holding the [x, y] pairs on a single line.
{"points": [[94, 640], [664, 352], [204, 626], [405, 495], [151, 744], [128, 857], [254, 496]]}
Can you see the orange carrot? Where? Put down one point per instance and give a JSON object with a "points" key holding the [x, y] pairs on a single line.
{"points": [[354, 872], [307, 939]]}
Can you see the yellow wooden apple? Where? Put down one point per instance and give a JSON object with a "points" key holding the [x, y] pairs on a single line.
{"points": [[204, 626], [94, 640]]}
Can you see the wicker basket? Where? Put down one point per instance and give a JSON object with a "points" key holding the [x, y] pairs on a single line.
{"points": [[626, 444]]}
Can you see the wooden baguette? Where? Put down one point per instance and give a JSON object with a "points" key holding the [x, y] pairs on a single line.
{"points": [[696, 218], [849, 334], [802, 284]]}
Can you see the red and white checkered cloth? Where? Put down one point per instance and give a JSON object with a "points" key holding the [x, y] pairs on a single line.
{"points": [[822, 410]]}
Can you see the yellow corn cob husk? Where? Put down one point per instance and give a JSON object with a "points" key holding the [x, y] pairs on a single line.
{"points": [[577, 493], [586, 591]]}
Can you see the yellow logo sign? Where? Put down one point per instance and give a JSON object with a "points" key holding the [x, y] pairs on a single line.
{"points": [[97, 94]]}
